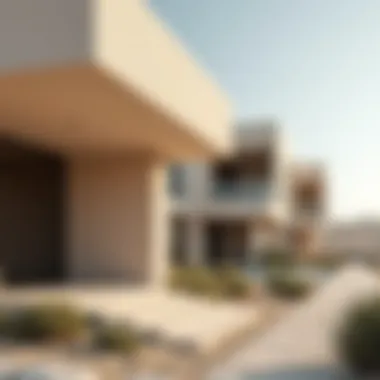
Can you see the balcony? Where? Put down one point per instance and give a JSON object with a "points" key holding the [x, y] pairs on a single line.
{"points": [[257, 191], [232, 200], [239, 199]]}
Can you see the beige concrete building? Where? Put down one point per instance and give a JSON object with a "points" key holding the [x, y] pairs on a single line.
{"points": [[254, 200], [309, 207], [96, 98]]}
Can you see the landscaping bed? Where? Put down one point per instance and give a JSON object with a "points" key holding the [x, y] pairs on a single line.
{"points": [[47, 333], [65, 325], [222, 283]]}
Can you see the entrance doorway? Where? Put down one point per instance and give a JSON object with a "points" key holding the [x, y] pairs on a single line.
{"points": [[227, 242], [31, 214]]}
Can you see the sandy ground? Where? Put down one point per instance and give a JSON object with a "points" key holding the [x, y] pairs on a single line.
{"points": [[182, 322], [182, 319]]}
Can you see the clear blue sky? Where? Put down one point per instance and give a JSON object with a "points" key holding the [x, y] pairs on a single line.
{"points": [[314, 64]]}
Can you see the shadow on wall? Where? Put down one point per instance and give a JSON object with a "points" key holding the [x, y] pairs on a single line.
{"points": [[305, 373]]}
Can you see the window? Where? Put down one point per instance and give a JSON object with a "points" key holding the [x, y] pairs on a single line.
{"points": [[177, 184]]}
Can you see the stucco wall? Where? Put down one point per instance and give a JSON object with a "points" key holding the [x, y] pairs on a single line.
{"points": [[43, 33], [116, 226], [136, 45], [126, 40]]}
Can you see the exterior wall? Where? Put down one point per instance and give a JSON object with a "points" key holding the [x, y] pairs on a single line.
{"points": [[199, 199], [43, 33], [308, 214], [253, 135], [108, 81], [198, 179], [129, 45], [117, 219], [282, 180], [265, 238], [154, 62]]}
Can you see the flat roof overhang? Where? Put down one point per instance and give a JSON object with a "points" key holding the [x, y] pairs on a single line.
{"points": [[105, 76]]}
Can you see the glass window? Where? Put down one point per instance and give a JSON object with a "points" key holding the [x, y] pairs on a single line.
{"points": [[177, 180]]}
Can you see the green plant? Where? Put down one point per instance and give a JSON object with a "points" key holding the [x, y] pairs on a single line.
{"points": [[47, 322], [200, 281], [223, 282], [287, 284], [116, 338], [277, 259], [178, 278], [358, 337], [234, 284]]}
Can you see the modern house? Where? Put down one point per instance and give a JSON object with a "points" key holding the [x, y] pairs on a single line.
{"points": [[96, 99], [255, 199]]}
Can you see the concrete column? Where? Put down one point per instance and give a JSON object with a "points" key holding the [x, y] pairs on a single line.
{"points": [[117, 221], [228, 245], [252, 244], [259, 241], [198, 182], [196, 241]]}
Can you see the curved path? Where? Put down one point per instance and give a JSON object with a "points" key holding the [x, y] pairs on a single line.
{"points": [[301, 346]]}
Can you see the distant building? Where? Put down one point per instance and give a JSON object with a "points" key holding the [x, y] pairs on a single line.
{"points": [[255, 199]]}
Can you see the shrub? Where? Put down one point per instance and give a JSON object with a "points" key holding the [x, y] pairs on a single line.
{"points": [[277, 259], [234, 284], [287, 284], [200, 281], [178, 278], [358, 337], [58, 323], [117, 339], [224, 282]]}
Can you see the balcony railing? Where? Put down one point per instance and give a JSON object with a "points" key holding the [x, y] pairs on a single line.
{"points": [[247, 190]]}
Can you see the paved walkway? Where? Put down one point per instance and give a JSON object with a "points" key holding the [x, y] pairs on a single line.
{"points": [[301, 346]]}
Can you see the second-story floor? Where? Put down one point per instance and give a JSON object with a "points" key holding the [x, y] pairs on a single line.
{"points": [[253, 180]]}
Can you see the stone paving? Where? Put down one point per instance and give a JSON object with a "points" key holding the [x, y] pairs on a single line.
{"points": [[301, 346]]}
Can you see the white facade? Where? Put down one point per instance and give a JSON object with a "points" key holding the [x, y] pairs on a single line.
{"points": [[244, 204], [103, 63], [249, 198], [104, 90], [257, 209]]}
